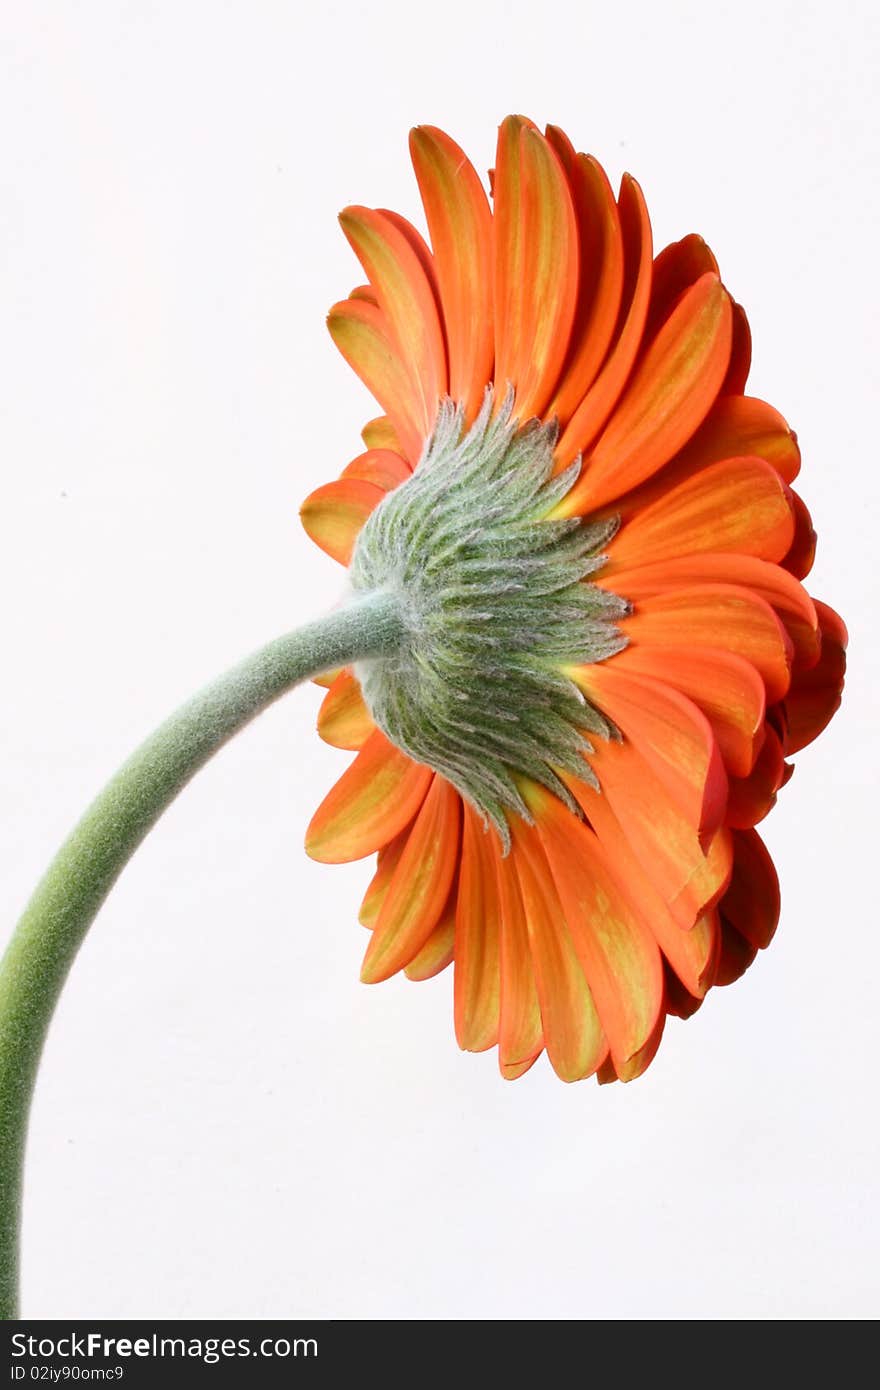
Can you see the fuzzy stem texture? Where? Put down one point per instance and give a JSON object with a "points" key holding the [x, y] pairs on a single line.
{"points": [[68, 898]]}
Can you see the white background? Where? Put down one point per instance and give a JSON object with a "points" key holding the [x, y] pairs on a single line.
{"points": [[227, 1123]]}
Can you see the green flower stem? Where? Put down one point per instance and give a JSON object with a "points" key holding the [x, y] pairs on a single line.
{"points": [[67, 900]]}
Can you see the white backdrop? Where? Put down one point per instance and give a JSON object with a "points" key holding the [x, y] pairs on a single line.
{"points": [[227, 1123]]}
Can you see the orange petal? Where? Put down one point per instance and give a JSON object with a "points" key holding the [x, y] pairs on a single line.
{"points": [[599, 401], [477, 938], [334, 514], [380, 434], [690, 951], [600, 278], [381, 467], [726, 688], [636, 1065], [786, 596], [365, 292], [751, 903], [420, 887], [672, 390], [512, 1071], [460, 224], [619, 956], [363, 336], [684, 468], [687, 877], [696, 616], [574, 1038], [670, 732], [373, 801], [548, 293], [387, 861], [536, 267], [396, 270], [676, 268], [740, 505], [343, 719], [737, 426], [520, 1033], [815, 694], [506, 182], [439, 949], [423, 254], [752, 797]]}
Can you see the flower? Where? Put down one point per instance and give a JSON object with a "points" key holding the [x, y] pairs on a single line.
{"points": [[612, 655]]}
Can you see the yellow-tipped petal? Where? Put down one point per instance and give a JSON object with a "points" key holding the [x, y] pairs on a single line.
{"points": [[371, 803], [343, 719], [420, 887]]}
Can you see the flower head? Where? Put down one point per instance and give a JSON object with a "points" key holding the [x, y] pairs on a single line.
{"points": [[608, 653]]}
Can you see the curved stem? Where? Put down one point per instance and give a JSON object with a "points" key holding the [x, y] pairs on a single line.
{"points": [[68, 898]]}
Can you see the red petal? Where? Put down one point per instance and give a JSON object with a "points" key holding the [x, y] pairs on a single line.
{"points": [[735, 957], [751, 903], [740, 354], [802, 552], [752, 797], [815, 694], [679, 1001]]}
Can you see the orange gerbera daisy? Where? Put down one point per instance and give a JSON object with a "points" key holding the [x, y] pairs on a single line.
{"points": [[611, 652]]}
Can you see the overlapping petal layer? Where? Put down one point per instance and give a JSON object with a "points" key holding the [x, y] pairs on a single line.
{"points": [[590, 931]]}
